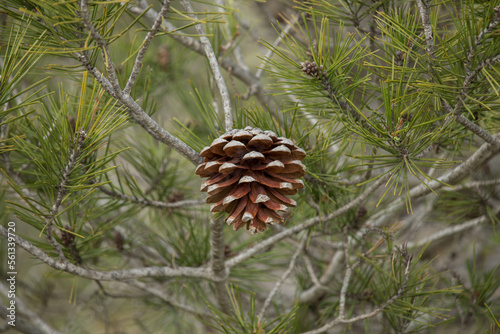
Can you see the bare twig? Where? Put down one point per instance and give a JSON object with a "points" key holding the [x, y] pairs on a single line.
{"points": [[214, 65], [276, 43], [347, 278], [318, 289], [310, 270], [341, 320], [476, 129], [116, 275], [477, 184], [285, 275], [160, 293], [145, 44], [452, 230]]}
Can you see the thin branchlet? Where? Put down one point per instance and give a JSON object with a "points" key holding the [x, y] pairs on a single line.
{"points": [[103, 46], [285, 275], [62, 189], [214, 65], [145, 44]]}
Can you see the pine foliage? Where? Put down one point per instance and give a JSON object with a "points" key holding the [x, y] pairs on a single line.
{"points": [[106, 106]]}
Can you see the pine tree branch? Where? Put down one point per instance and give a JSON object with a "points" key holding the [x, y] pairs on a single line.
{"points": [[145, 44], [116, 275], [244, 74], [310, 270], [484, 153], [141, 117], [62, 192], [469, 78], [24, 311], [489, 29], [285, 275], [477, 184], [479, 157], [112, 87], [312, 69], [218, 265], [466, 87], [214, 65], [156, 204], [477, 130], [103, 45], [305, 225]]}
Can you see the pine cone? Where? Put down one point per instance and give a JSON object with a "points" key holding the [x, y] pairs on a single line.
{"points": [[250, 173], [312, 69]]}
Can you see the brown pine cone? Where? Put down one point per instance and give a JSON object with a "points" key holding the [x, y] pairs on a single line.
{"points": [[312, 69], [250, 173]]}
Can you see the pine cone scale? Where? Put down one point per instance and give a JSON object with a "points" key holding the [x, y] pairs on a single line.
{"points": [[250, 174]]}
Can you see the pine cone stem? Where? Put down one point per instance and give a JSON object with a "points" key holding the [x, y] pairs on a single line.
{"points": [[218, 265]]}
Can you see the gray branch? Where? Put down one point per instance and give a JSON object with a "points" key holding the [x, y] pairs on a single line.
{"points": [[141, 117], [483, 154], [116, 275], [135, 111], [318, 288]]}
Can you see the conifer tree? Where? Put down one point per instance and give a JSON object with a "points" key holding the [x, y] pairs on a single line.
{"points": [[352, 147]]}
